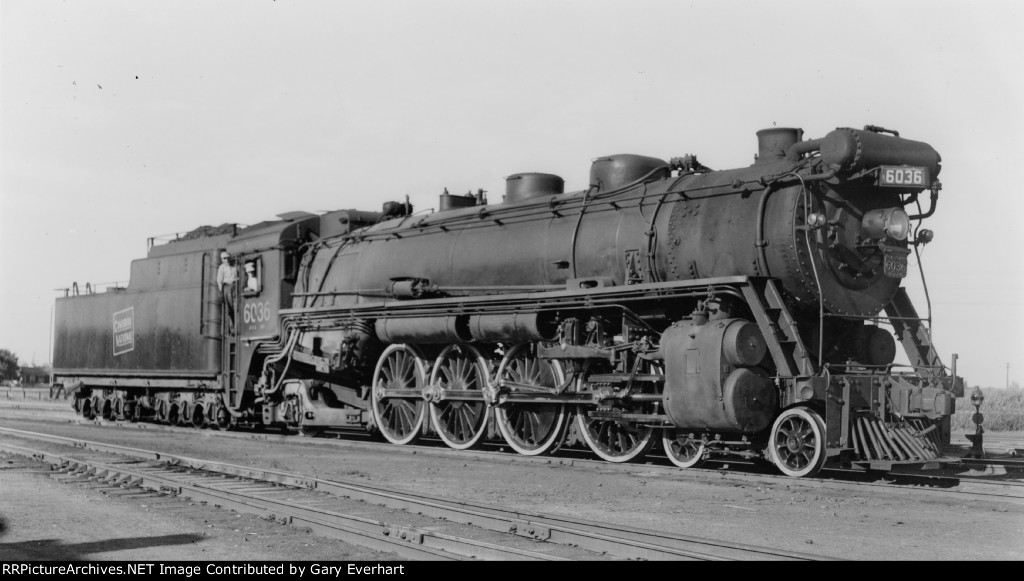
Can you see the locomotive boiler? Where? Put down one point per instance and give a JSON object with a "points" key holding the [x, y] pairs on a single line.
{"points": [[751, 312]]}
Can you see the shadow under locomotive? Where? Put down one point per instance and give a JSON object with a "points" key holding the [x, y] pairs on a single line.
{"points": [[745, 313]]}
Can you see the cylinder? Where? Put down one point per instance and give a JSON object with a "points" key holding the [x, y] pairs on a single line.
{"points": [[704, 389], [749, 400], [743, 344], [881, 347], [872, 345]]}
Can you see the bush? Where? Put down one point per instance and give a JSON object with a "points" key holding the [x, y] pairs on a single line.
{"points": [[1003, 410]]}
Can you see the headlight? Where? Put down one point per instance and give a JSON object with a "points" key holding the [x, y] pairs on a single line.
{"points": [[899, 225], [891, 222]]}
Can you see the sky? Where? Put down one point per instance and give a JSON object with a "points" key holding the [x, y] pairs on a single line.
{"points": [[125, 120]]}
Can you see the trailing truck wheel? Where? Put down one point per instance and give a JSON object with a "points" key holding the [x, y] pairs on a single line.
{"points": [[397, 394], [797, 442], [460, 423], [615, 440], [682, 449]]}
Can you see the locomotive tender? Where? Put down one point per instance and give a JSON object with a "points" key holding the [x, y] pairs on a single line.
{"points": [[747, 312]]}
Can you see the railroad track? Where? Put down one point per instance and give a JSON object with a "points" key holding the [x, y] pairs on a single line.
{"points": [[1000, 486], [416, 526], [949, 485], [740, 471]]}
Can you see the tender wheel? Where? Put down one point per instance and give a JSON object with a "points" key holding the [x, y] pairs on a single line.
{"points": [[531, 429], [222, 419], [682, 449], [135, 410], [108, 409], [396, 398], [797, 443], [87, 409], [184, 414], [163, 411], [460, 423], [198, 416]]}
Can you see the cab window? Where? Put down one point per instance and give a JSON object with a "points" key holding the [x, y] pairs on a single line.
{"points": [[252, 277]]}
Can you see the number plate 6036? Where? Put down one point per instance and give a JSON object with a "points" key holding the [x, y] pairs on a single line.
{"points": [[902, 176]]}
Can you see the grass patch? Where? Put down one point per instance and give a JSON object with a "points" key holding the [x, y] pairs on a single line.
{"points": [[1003, 410]]}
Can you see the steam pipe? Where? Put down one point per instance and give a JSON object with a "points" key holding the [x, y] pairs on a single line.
{"points": [[934, 203], [798, 149]]}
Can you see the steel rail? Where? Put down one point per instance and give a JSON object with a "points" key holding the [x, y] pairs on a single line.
{"points": [[621, 541], [900, 482], [1006, 462], [407, 541]]}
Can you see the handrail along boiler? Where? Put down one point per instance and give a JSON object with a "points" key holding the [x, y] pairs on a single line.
{"points": [[748, 312]]}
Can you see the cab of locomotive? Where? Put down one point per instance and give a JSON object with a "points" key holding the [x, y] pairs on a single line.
{"points": [[267, 258]]}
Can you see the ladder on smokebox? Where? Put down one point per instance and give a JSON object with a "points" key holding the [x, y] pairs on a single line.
{"points": [[878, 445], [778, 327], [792, 357]]}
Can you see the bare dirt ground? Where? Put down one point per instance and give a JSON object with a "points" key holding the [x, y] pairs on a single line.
{"points": [[787, 514], [42, 519]]}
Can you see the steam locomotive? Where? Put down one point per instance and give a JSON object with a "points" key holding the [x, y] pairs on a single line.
{"points": [[749, 312]]}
